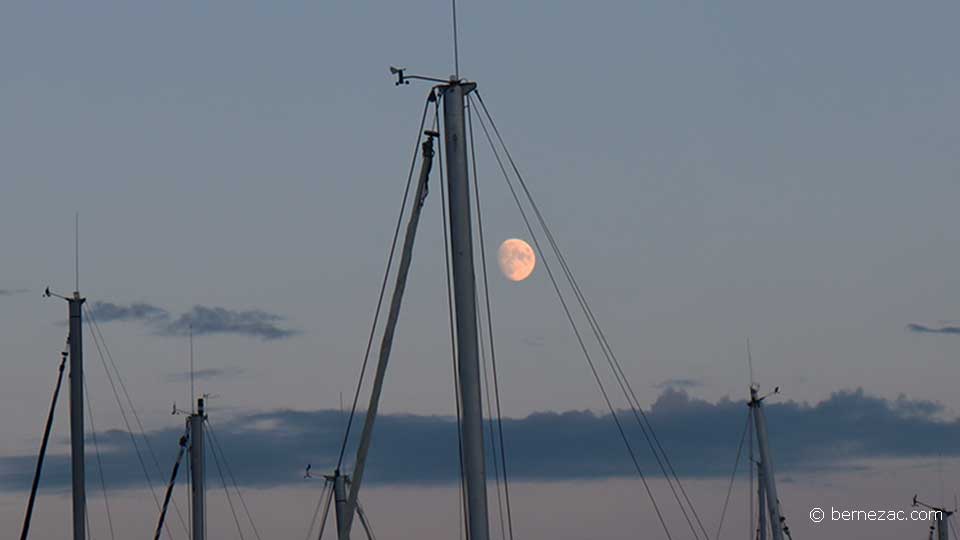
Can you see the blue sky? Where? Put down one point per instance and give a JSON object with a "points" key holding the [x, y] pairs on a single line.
{"points": [[712, 172]]}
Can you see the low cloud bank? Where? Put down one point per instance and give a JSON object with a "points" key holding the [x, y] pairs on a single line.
{"points": [[273, 447]]}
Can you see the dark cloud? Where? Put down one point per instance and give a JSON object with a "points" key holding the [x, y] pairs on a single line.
{"points": [[216, 320], [204, 374], [923, 329], [679, 383], [203, 319], [272, 448], [105, 312]]}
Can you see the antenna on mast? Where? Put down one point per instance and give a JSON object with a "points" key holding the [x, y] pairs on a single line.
{"points": [[75, 341], [192, 392], [753, 382], [76, 250], [456, 47]]}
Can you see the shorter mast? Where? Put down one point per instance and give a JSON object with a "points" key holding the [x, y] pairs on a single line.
{"points": [[941, 520], [766, 466], [197, 476], [340, 499], [346, 503], [77, 459]]}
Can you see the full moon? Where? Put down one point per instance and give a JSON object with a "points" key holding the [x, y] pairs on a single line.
{"points": [[516, 259]]}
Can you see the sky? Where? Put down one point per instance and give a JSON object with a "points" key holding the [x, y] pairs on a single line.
{"points": [[713, 173]]}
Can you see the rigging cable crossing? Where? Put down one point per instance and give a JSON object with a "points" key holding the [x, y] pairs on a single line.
{"points": [[233, 479], [496, 439], [580, 341], [96, 449], [733, 475], [226, 491], [383, 289], [640, 416], [101, 346]]}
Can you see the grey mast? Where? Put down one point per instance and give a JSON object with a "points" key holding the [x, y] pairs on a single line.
{"points": [[197, 476], [465, 301], [941, 518], [453, 92], [77, 472], [766, 466]]}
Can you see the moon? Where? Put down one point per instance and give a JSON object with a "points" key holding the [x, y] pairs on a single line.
{"points": [[517, 259]]}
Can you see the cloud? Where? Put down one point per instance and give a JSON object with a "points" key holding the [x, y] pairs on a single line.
{"points": [[273, 447], [923, 329], [204, 374], [11, 292], [216, 320], [203, 319], [105, 312], [679, 383]]}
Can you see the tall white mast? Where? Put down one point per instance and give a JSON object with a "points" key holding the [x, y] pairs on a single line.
{"points": [[465, 301]]}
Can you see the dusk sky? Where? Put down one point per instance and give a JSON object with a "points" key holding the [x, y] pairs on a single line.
{"points": [[713, 172]]}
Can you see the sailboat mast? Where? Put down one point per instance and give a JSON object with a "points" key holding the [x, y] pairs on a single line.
{"points": [[78, 474], [197, 474], [465, 301], [762, 526], [943, 526], [766, 466]]}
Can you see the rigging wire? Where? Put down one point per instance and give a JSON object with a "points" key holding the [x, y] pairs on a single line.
{"points": [[316, 511], [326, 512], [27, 518], [188, 485], [226, 491], [366, 523], [752, 464], [576, 330], [493, 355], [94, 331], [462, 507], [617, 369], [733, 475], [491, 428], [383, 287], [236, 487], [96, 448]]}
